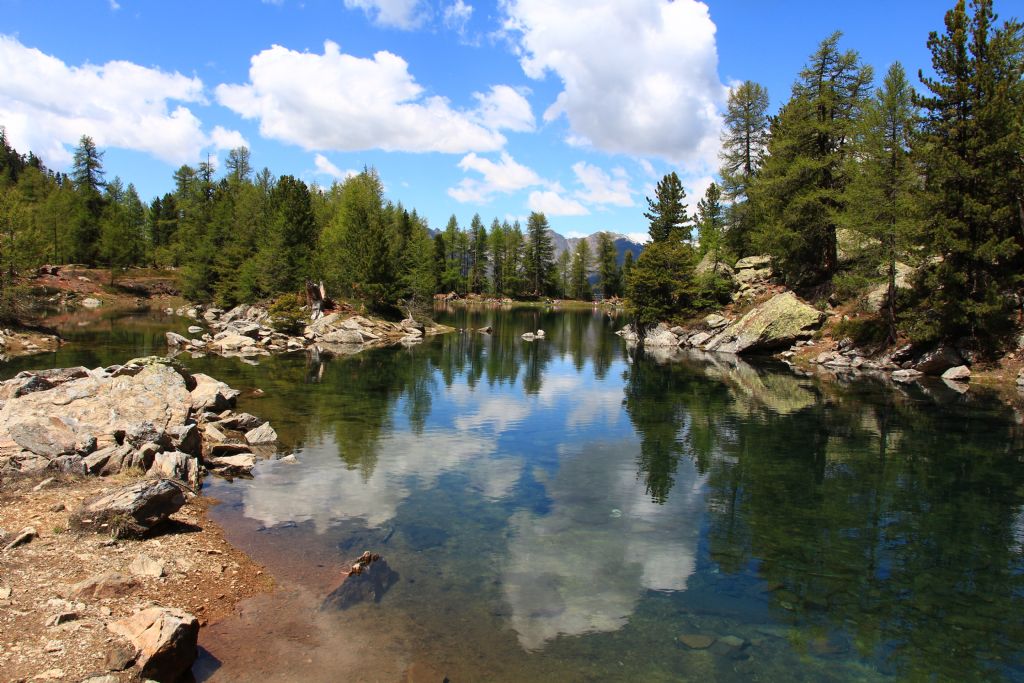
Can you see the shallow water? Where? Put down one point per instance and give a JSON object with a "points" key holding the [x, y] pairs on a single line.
{"points": [[565, 510]]}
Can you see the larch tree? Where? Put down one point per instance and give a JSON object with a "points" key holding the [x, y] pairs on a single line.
{"points": [[744, 144], [883, 194], [579, 283], [608, 267]]}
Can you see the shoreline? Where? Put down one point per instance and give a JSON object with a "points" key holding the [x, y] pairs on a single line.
{"points": [[51, 632]]}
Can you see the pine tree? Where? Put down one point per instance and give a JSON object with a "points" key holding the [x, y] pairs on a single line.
{"points": [[971, 145], [608, 266], [563, 275], [744, 143], [496, 246], [883, 192], [800, 188], [667, 211], [539, 254]]}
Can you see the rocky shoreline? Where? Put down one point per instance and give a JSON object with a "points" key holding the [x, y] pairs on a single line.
{"points": [[106, 553], [248, 331]]}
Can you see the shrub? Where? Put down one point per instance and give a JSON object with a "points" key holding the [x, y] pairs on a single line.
{"points": [[287, 314]]}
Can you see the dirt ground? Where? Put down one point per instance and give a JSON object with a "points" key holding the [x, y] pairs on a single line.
{"points": [[48, 633]]}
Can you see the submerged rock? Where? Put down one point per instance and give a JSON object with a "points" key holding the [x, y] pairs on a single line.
{"points": [[371, 583]]}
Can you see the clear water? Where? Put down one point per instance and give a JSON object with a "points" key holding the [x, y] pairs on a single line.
{"points": [[565, 510]]}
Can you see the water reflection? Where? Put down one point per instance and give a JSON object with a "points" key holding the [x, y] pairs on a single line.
{"points": [[577, 503]]}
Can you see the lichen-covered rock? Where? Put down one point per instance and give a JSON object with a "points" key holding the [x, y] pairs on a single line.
{"points": [[776, 323], [754, 263], [166, 640]]}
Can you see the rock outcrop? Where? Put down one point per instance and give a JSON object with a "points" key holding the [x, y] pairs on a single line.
{"points": [[148, 416], [247, 332], [165, 640], [131, 511], [775, 324]]}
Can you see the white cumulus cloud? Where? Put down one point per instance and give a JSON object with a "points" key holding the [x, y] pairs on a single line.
{"points": [[552, 203], [325, 166], [457, 15], [46, 106], [403, 14], [639, 77], [337, 101], [503, 176], [600, 188], [223, 138], [505, 107]]}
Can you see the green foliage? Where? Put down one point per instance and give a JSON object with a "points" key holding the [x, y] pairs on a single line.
{"points": [[661, 284], [608, 271], [971, 142], [667, 211], [711, 224], [287, 314], [539, 255], [883, 193], [866, 332], [800, 188], [579, 285]]}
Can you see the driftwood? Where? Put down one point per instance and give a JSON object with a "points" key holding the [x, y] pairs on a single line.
{"points": [[317, 299]]}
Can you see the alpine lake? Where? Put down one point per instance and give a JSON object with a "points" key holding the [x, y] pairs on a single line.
{"points": [[570, 509]]}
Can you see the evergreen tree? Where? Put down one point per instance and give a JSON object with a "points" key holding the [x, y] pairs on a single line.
{"points": [[971, 145], [515, 259], [744, 143], [440, 259], [478, 245], [800, 188], [87, 175], [627, 270], [883, 192], [579, 284], [539, 254], [496, 246], [563, 275], [608, 266], [710, 224], [667, 211], [661, 284]]}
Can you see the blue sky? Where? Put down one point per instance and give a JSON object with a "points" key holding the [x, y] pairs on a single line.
{"points": [[572, 107]]}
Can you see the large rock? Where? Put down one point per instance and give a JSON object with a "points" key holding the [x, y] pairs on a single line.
{"points": [[93, 411], [776, 323], [708, 265], [132, 510], [660, 336], [106, 585], [960, 373], [175, 339], [343, 336], [231, 342], [262, 434], [210, 394], [938, 360], [176, 465], [166, 640], [754, 263]]}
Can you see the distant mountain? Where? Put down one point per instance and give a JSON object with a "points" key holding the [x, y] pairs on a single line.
{"points": [[622, 245]]}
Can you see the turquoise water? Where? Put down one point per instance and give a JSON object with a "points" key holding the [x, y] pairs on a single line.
{"points": [[566, 509]]}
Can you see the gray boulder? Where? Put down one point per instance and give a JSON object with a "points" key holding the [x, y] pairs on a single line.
{"points": [[776, 323], [938, 360]]}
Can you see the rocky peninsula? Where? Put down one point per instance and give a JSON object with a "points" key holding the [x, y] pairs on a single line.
{"points": [[109, 564]]}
